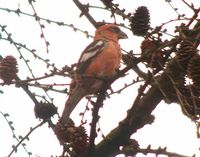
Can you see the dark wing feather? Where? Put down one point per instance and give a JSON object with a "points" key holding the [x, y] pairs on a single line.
{"points": [[88, 54]]}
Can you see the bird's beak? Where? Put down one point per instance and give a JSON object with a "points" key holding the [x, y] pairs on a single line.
{"points": [[122, 35]]}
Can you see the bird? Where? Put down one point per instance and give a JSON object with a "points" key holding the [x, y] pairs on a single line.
{"points": [[100, 59]]}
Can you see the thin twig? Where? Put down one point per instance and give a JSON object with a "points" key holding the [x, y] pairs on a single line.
{"points": [[60, 73], [5, 115], [142, 89], [116, 10], [86, 13], [125, 86], [59, 23], [188, 5], [32, 51], [37, 18], [49, 87], [25, 137], [161, 151], [175, 9], [149, 150], [3, 29]]}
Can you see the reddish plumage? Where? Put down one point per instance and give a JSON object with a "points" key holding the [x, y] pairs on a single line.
{"points": [[100, 59]]}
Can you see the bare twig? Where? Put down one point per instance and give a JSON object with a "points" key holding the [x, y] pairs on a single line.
{"points": [[149, 150], [5, 115], [187, 4], [114, 8], [59, 23], [86, 13], [175, 9], [9, 38], [160, 151], [25, 137], [126, 86], [37, 18]]}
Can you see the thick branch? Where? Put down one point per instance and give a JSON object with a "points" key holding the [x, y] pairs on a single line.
{"points": [[140, 113]]}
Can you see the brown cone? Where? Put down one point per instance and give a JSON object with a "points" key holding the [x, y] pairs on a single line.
{"points": [[8, 69]]}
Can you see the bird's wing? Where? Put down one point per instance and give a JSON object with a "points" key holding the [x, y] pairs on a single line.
{"points": [[90, 52]]}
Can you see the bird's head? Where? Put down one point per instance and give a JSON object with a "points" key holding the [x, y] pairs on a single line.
{"points": [[111, 32]]}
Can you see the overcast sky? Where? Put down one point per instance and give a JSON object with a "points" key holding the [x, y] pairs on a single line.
{"points": [[171, 128]]}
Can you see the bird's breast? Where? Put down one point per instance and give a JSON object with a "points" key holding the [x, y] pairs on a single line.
{"points": [[107, 62]]}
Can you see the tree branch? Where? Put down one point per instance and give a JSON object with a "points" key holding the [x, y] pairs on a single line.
{"points": [[25, 137], [95, 117], [140, 113], [86, 13], [149, 150]]}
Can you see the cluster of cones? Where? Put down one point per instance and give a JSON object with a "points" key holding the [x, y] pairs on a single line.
{"points": [[189, 96]]}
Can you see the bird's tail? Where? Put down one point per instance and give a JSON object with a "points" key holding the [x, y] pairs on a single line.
{"points": [[76, 95]]}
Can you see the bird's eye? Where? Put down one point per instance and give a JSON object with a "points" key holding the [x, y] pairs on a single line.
{"points": [[115, 29]]}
